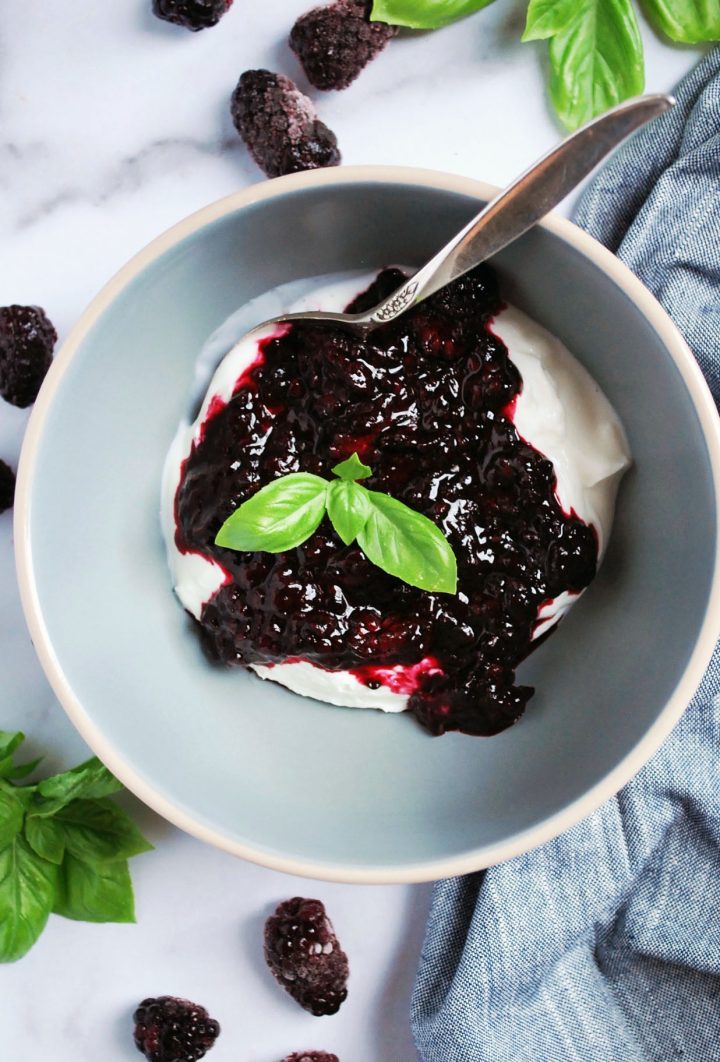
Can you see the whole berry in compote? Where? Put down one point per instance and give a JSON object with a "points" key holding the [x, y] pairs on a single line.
{"points": [[7, 487], [305, 956], [192, 14], [168, 1029], [27, 340], [335, 43], [280, 126], [311, 1056]]}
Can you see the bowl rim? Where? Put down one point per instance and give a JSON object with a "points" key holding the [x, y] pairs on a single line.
{"points": [[429, 870]]}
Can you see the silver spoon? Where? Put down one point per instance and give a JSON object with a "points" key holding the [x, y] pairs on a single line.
{"points": [[511, 213]]}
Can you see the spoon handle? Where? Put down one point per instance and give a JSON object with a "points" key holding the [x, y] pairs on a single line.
{"points": [[524, 202]]}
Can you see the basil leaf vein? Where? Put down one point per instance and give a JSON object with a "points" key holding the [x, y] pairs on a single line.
{"points": [[27, 890], [12, 813], [406, 544], [280, 516]]}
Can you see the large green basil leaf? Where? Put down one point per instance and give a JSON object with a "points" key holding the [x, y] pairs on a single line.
{"points": [[596, 61], [280, 516], [424, 14], [686, 21], [408, 545], [27, 890], [94, 892]]}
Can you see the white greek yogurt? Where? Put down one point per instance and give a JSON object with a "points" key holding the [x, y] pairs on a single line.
{"points": [[560, 411]]}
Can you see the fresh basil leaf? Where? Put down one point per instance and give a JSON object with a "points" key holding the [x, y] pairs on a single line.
{"points": [[280, 516], [12, 813], [685, 21], [348, 507], [596, 60], [424, 14], [27, 890], [89, 780], [352, 469], [99, 831], [46, 837], [545, 18], [406, 544], [24, 769], [10, 741], [99, 892]]}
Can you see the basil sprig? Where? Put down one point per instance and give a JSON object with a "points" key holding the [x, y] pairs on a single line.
{"points": [[64, 847], [596, 53], [392, 536]]}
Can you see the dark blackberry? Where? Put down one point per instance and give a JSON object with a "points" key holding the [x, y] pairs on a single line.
{"points": [[7, 487], [280, 125], [311, 1056], [335, 43], [168, 1029], [192, 14], [27, 339], [305, 956]]}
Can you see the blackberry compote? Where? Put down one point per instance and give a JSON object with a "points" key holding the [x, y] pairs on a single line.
{"points": [[427, 402]]}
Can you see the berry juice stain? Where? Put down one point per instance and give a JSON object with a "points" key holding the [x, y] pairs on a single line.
{"points": [[427, 401]]}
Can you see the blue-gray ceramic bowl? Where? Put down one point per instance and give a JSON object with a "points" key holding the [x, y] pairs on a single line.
{"points": [[298, 785]]}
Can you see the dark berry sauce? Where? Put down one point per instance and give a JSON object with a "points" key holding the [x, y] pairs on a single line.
{"points": [[426, 401]]}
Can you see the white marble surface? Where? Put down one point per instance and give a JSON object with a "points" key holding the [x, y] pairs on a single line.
{"points": [[112, 127]]}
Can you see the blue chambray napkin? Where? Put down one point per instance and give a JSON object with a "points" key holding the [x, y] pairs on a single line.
{"points": [[604, 945]]}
